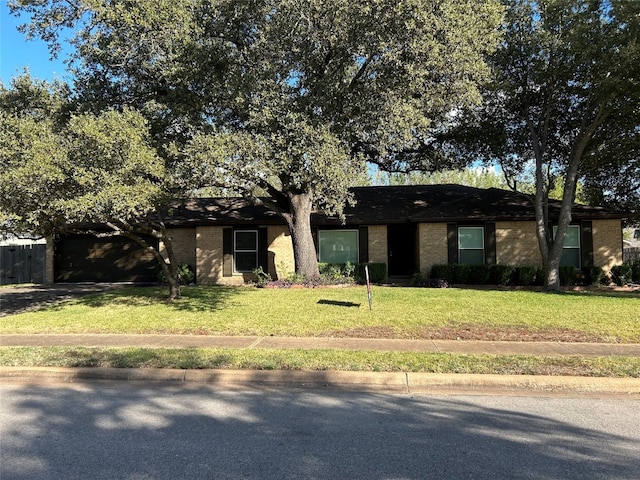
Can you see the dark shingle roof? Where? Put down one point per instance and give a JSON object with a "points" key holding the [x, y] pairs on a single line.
{"points": [[390, 204]]}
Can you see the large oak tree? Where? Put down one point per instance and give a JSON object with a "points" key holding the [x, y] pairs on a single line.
{"points": [[282, 101]]}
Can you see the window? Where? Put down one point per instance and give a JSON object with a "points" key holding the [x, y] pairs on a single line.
{"points": [[245, 250], [571, 247], [471, 245], [338, 246]]}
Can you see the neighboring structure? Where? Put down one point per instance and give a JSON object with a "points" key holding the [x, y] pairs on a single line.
{"points": [[631, 251], [22, 260], [410, 228]]}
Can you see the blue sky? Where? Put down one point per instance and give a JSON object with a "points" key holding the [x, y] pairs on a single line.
{"points": [[16, 52]]}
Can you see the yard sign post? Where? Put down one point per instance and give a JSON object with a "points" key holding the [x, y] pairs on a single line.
{"points": [[366, 274]]}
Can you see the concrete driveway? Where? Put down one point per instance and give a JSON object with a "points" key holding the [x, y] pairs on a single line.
{"points": [[24, 298]]}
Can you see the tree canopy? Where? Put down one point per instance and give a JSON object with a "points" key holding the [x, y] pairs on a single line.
{"points": [[565, 99], [280, 100], [66, 172]]}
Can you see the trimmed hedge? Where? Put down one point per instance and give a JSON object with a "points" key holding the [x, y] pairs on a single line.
{"points": [[522, 275]]}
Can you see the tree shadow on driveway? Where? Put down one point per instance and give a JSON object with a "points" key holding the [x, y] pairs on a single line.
{"points": [[143, 431]]}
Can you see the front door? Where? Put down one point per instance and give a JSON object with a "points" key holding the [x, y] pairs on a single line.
{"points": [[401, 243]]}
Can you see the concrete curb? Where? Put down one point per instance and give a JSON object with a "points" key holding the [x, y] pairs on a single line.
{"points": [[399, 382]]}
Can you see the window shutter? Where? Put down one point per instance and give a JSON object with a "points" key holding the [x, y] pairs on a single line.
{"points": [[490, 243], [586, 243], [452, 242], [263, 249], [363, 247], [227, 252], [314, 234]]}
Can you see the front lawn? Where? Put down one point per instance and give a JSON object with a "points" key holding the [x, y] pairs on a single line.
{"points": [[344, 312]]}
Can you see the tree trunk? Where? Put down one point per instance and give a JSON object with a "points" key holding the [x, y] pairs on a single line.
{"points": [[169, 266], [299, 221]]}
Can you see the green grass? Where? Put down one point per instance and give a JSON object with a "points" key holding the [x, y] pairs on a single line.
{"points": [[318, 360], [397, 312]]}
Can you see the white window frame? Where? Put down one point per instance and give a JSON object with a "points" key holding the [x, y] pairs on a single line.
{"points": [[236, 250], [320, 241], [460, 248]]}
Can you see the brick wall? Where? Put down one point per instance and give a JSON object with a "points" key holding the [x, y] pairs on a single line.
{"points": [[378, 244], [208, 255], [184, 245], [281, 261], [517, 244], [607, 243], [432, 245]]}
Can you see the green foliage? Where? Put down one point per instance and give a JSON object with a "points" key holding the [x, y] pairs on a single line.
{"points": [[500, 274], [479, 274], [594, 276], [635, 270], [524, 275], [186, 275], [281, 101], [622, 274], [262, 277], [567, 275]]}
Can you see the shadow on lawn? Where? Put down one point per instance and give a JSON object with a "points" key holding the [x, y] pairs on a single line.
{"points": [[588, 291], [193, 299], [54, 297]]}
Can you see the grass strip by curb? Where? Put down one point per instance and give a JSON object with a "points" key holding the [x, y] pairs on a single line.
{"points": [[318, 360]]}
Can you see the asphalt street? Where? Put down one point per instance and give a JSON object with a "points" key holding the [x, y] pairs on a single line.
{"points": [[102, 430]]}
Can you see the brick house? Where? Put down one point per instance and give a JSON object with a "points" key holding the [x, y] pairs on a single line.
{"points": [[410, 228]]}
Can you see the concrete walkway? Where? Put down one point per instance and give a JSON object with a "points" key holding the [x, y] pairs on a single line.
{"points": [[323, 343]]}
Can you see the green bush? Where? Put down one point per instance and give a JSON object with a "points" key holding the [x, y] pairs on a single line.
{"points": [[460, 273], [567, 275], [186, 275], [635, 271], [377, 272], [334, 272], [479, 274], [442, 271], [500, 274], [524, 275], [593, 276], [622, 274]]}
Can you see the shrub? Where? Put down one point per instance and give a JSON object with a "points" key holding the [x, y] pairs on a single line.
{"points": [[567, 275], [479, 274], [460, 273], [442, 271], [635, 271], [262, 277], [622, 274], [377, 272], [593, 275], [500, 274], [186, 275], [524, 275], [417, 280]]}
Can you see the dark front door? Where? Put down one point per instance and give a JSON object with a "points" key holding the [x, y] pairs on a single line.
{"points": [[401, 243]]}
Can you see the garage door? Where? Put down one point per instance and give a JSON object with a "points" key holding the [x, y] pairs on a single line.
{"points": [[85, 258]]}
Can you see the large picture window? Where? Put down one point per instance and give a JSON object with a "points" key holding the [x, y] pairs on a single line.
{"points": [[571, 248], [338, 246], [245, 249], [471, 245]]}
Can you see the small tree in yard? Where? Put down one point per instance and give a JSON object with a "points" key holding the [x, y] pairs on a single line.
{"points": [[80, 173], [282, 101]]}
